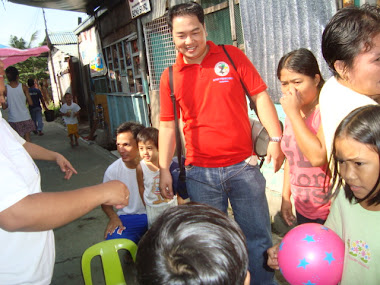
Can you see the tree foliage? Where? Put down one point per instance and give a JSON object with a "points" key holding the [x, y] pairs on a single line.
{"points": [[33, 67]]}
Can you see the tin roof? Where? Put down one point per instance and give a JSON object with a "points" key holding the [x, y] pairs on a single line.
{"points": [[63, 38]]}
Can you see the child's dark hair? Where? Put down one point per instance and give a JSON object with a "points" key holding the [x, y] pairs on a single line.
{"points": [[301, 61], [11, 73], [132, 127], [362, 125], [148, 134], [192, 244], [30, 82], [186, 9]]}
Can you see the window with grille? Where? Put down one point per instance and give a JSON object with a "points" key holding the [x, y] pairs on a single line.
{"points": [[123, 62], [159, 48]]}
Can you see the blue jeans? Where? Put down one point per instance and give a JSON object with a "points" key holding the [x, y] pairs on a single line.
{"points": [[36, 114], [244, 185]]}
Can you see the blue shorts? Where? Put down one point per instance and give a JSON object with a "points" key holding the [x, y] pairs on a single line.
{"points": [[135, 228]]}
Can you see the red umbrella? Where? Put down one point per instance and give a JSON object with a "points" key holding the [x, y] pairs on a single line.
{"points": [[11, 56]]}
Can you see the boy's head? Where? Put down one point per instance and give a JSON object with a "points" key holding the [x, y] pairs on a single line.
{"points": [[147, 141], [30, 82], [12, 73], [68, 98], [126, 142], [193, 244]]}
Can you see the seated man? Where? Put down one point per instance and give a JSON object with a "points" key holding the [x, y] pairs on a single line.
{"points": [[193, 244], [131, 221]]}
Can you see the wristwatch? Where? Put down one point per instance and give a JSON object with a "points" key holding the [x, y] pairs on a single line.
{"points": [[275, 139]]}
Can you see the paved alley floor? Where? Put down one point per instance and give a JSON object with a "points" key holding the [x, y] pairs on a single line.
{"points": [[91, 161]]}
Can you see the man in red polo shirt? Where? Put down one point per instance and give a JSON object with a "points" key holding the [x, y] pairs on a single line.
{"points": [[219, 161]]}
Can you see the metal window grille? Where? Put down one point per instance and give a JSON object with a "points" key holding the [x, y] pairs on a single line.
{"points": [[123, 63], [160, 49]]}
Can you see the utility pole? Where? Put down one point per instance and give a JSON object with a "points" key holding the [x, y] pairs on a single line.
{"points": [[51, 58]]}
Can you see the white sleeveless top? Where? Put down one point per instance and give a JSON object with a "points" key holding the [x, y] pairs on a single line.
{"points": [[16, 100], [152, 196]]}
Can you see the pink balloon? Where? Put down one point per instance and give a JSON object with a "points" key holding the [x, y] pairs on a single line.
{"points": [[311, 254]]}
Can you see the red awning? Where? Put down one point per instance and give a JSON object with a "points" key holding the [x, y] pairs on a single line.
{"points": [[12, 56]]}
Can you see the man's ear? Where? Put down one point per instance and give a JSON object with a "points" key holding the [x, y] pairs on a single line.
{"points": [[340, 68]]}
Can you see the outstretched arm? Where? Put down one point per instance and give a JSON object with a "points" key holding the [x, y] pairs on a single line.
{"points": [[44, 211], [166, 141], [39, 153]]}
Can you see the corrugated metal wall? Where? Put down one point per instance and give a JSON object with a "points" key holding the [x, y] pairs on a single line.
{"points": [[274, 27]]}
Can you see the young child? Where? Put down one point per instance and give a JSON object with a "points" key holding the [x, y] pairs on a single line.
{"points": [[148, 175], [303, 144], [70, 113], [355, 213]]}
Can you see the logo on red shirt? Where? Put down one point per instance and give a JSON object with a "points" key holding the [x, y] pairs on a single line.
{"points": [[221, 68]]}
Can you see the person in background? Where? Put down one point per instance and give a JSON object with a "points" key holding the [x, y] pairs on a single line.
{"points": [[17, 95], [70, 113], [27, 215], [35, 110], [351, 48], [306, 170], [131, 221], [45, 91], [220, 161], [355, 212], [193, 244], [148, 175]]}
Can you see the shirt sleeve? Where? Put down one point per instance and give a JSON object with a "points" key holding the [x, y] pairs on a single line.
{"points": [[107, 175], [247, 71], [13, 186], [334, 219], [14, 133]]}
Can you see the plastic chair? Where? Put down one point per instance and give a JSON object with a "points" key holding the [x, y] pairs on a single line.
{"points": [[108, 251]]}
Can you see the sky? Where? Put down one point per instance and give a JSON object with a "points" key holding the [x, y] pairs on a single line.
{"points": [[22, 21]]}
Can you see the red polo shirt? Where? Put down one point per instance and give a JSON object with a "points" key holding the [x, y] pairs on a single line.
{"points": [[214, 106]]}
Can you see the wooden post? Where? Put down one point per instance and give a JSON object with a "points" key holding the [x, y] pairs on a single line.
{"points": [[232, 20]]}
